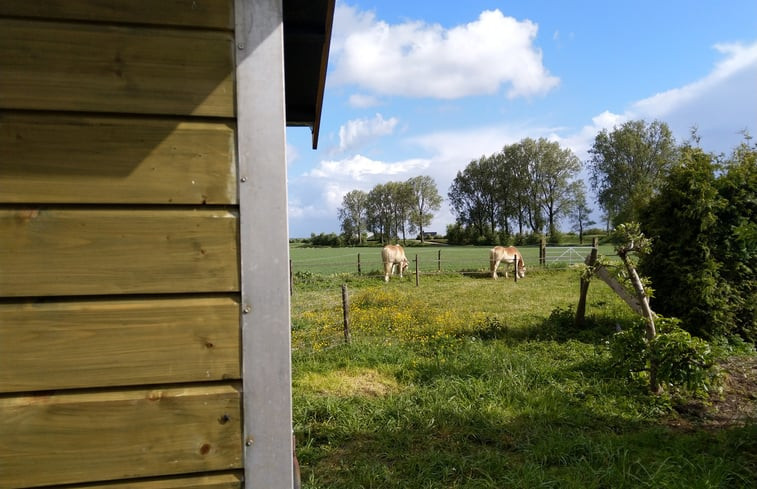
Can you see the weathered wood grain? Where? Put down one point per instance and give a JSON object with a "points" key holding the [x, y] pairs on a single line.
{"points": [[96, 436], [96, 68], [84, 159], [63, 345], [213, 14], [61, 252], [230, 480]]}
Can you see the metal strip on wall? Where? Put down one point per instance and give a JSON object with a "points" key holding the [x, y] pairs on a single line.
{"points": [[265, 318]]}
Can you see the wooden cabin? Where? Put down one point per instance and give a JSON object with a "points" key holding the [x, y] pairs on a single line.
{"points": [[144, 290]]}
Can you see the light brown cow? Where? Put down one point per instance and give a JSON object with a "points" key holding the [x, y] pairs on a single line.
{"points": [[393, 255], [508, 255]]}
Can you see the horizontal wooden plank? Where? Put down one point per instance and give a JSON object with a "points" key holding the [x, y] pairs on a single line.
{"points": [[83, 159], [97, 436], [214, 14], [227, 480], [96, 68], [61, 252], [63, 345], [231, 480]]}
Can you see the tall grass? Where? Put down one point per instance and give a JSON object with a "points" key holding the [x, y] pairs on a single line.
{"points": [[465, 382]]}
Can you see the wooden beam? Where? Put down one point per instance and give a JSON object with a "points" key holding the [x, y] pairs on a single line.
{"points": [[97, 68], [629, 299], [61, 159], [61, 252], [105, 343], [74, 437], [211, 14], [230, 480]]}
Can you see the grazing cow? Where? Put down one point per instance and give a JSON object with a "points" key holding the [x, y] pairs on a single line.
{"points": [[508, 255], [393, 255]]}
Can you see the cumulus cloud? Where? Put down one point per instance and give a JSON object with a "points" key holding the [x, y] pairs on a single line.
{"points": [[719, 105], [360, 168], [361, 101], [357, 131], [416, 59]]}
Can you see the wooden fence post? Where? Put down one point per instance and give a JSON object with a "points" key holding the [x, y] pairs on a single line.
{"points": [[439, 262], [291, 278], [543, 251], [515, 267], [416, 270], [581, 309], [346, 314], [359, 271]]}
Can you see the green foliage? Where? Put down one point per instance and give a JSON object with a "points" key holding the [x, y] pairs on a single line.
{"points": [[323, 239], [627, 166], [704, 261], [683, 361]]}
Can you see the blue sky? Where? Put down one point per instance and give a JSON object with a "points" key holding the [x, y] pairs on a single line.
{"points": [[421, 87]]}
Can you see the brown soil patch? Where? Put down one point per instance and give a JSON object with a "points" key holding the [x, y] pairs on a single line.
{"points": [[735, 406]]}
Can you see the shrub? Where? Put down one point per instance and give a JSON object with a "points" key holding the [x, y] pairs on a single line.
{"points": [[703, 263], [683, 361]]}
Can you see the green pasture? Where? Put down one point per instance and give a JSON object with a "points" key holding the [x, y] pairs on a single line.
{"points": [[453, 258], [467, 382]]}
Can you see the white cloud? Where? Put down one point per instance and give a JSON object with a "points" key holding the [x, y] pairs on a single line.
{"points": [[360, 101], [720, 105], [357, 131], [416, 59], [359, 168], [292, 154]]}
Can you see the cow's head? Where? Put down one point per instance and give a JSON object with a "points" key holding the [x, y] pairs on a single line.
{"points": [[404, 264]]}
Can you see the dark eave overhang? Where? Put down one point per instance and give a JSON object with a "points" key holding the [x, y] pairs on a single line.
{"points": [[307, 37]]}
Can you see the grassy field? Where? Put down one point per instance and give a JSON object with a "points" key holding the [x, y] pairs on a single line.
{"points": [[467, 382]]}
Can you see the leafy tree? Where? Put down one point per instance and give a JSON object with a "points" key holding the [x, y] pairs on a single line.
{"points": [[552, 170], [400, 203], [425, 200], [353, 215], [736, 236], [472, 196], [580, 213], [379, 215], [628, 166], [683, 266]]}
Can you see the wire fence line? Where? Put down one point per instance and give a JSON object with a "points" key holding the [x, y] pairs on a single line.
{"points": [[462, 259]]}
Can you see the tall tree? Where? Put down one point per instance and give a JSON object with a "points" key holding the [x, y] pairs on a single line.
{"points": [[353, 215], [379, 218], [400, 203], [580, 213], [704, 262], [628, 165], [425, 201], [472, 196], [552, 170]]}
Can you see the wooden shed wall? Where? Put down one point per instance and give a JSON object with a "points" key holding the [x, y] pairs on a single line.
{"points": [[119, 245]]}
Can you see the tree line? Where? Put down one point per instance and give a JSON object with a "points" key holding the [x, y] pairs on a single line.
{"points": [[390, 210]]}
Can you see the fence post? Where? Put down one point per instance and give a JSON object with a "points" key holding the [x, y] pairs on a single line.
{"points": [[543, 251], [439, 262], [581, 308], [416, 270], [346, 314], [291, 278], [359, 271], [515, 266]]}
